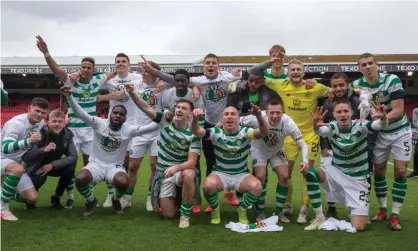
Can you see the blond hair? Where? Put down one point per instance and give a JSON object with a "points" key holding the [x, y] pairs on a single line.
{"points": [[295, 61], [56, 114]]}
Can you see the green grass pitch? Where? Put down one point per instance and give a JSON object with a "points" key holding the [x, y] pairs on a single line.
{"points": [[45, 229]]}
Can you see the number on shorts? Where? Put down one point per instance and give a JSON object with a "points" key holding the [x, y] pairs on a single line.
{"points": [[406, 146], [364, 196], [280, 153], [315, 147]]}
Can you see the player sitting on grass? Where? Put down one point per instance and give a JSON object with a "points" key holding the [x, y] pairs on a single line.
{"points": [[231, 146], [347, 176], [178, 152], [110, 143], [270, 149]]}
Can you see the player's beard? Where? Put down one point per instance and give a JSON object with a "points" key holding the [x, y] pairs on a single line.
{"points": [[114, 126]]}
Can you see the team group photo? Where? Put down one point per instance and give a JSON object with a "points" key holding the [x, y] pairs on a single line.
{"points": [[150, 152]]}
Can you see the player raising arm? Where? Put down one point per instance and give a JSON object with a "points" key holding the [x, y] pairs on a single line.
{"points": [[231, 145], [110, 142], [270, 150], [347, 175], [178, 152]]}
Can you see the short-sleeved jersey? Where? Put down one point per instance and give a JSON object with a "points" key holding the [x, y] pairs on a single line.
{"points": [[268, 74], [231, 151], [175, 144], [117, 84], [387, 87], [274, 142], [85, 93], [214, 93], [17, 129], [349, 148], [299, 102], [109, 147], [168, 100]]}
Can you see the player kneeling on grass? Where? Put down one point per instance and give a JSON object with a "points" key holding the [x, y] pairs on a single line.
{"points": [[347, 176], [270, 150], [177, 156], [18, 135], [231, 145], [110, 143]]}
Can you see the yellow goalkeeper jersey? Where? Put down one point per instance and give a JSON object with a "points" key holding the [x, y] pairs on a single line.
{"points": [[299, 103]]}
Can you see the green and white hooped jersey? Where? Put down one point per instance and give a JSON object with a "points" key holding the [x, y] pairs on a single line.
{"points": [[231, 151], [387, 87], [85, 93], [349, 147], [174, 144], [268, 74]]}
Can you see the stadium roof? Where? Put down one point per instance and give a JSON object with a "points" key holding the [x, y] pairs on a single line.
{"points": [[329, 59]]}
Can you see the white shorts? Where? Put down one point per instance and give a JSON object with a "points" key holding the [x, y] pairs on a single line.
{"points": [[260, 159], [141, 144], [103, 172], [326, 161], [83, 140], [4, 163], [400, 144], [168, 185], [354, 193], [231, 182]]}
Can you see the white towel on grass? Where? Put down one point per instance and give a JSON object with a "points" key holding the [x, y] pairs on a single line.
{"points": [[334, 224], [267, 225]]}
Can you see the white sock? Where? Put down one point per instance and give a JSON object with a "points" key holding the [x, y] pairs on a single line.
{"points": [[71, 195], [91, 197], [4, 205]]}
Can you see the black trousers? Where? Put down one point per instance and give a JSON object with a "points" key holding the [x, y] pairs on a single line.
{"points": [[66, 174], [208, 152]]}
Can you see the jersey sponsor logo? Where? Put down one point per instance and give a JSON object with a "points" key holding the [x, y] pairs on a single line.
{"points": [[110, 144], [296, 106], [215, 93], [149, 97]]}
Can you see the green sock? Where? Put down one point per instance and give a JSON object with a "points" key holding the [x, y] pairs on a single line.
{"points": [[110, 189], [312, 180], [121, 192], [18, 198], [185, 209], [70, 189], [149, 189], [9, 188], [248, 200], [261, 202], [130, 190], [212, 199], [281, 195], [381, 188], [398, 195], [86, 191]]}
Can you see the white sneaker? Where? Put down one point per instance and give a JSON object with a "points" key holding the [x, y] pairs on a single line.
{"points": [[184, 222], [315, 224], [287, 209], [125, 201], [148, 205], [108, 202], [303, 215], [261, 216], [283, 218], [7, 215]]}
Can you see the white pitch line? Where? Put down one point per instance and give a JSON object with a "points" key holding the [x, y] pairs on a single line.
{"points": [[409, 169]]}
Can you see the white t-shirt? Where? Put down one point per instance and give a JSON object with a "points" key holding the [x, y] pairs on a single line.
{"points": [[18, 129], [117, 84]]}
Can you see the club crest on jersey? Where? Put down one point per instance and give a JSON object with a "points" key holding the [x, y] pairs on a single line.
{"points": [[121, 87], [149, 97], [271, 140], [110, 144], [215, 93]]}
